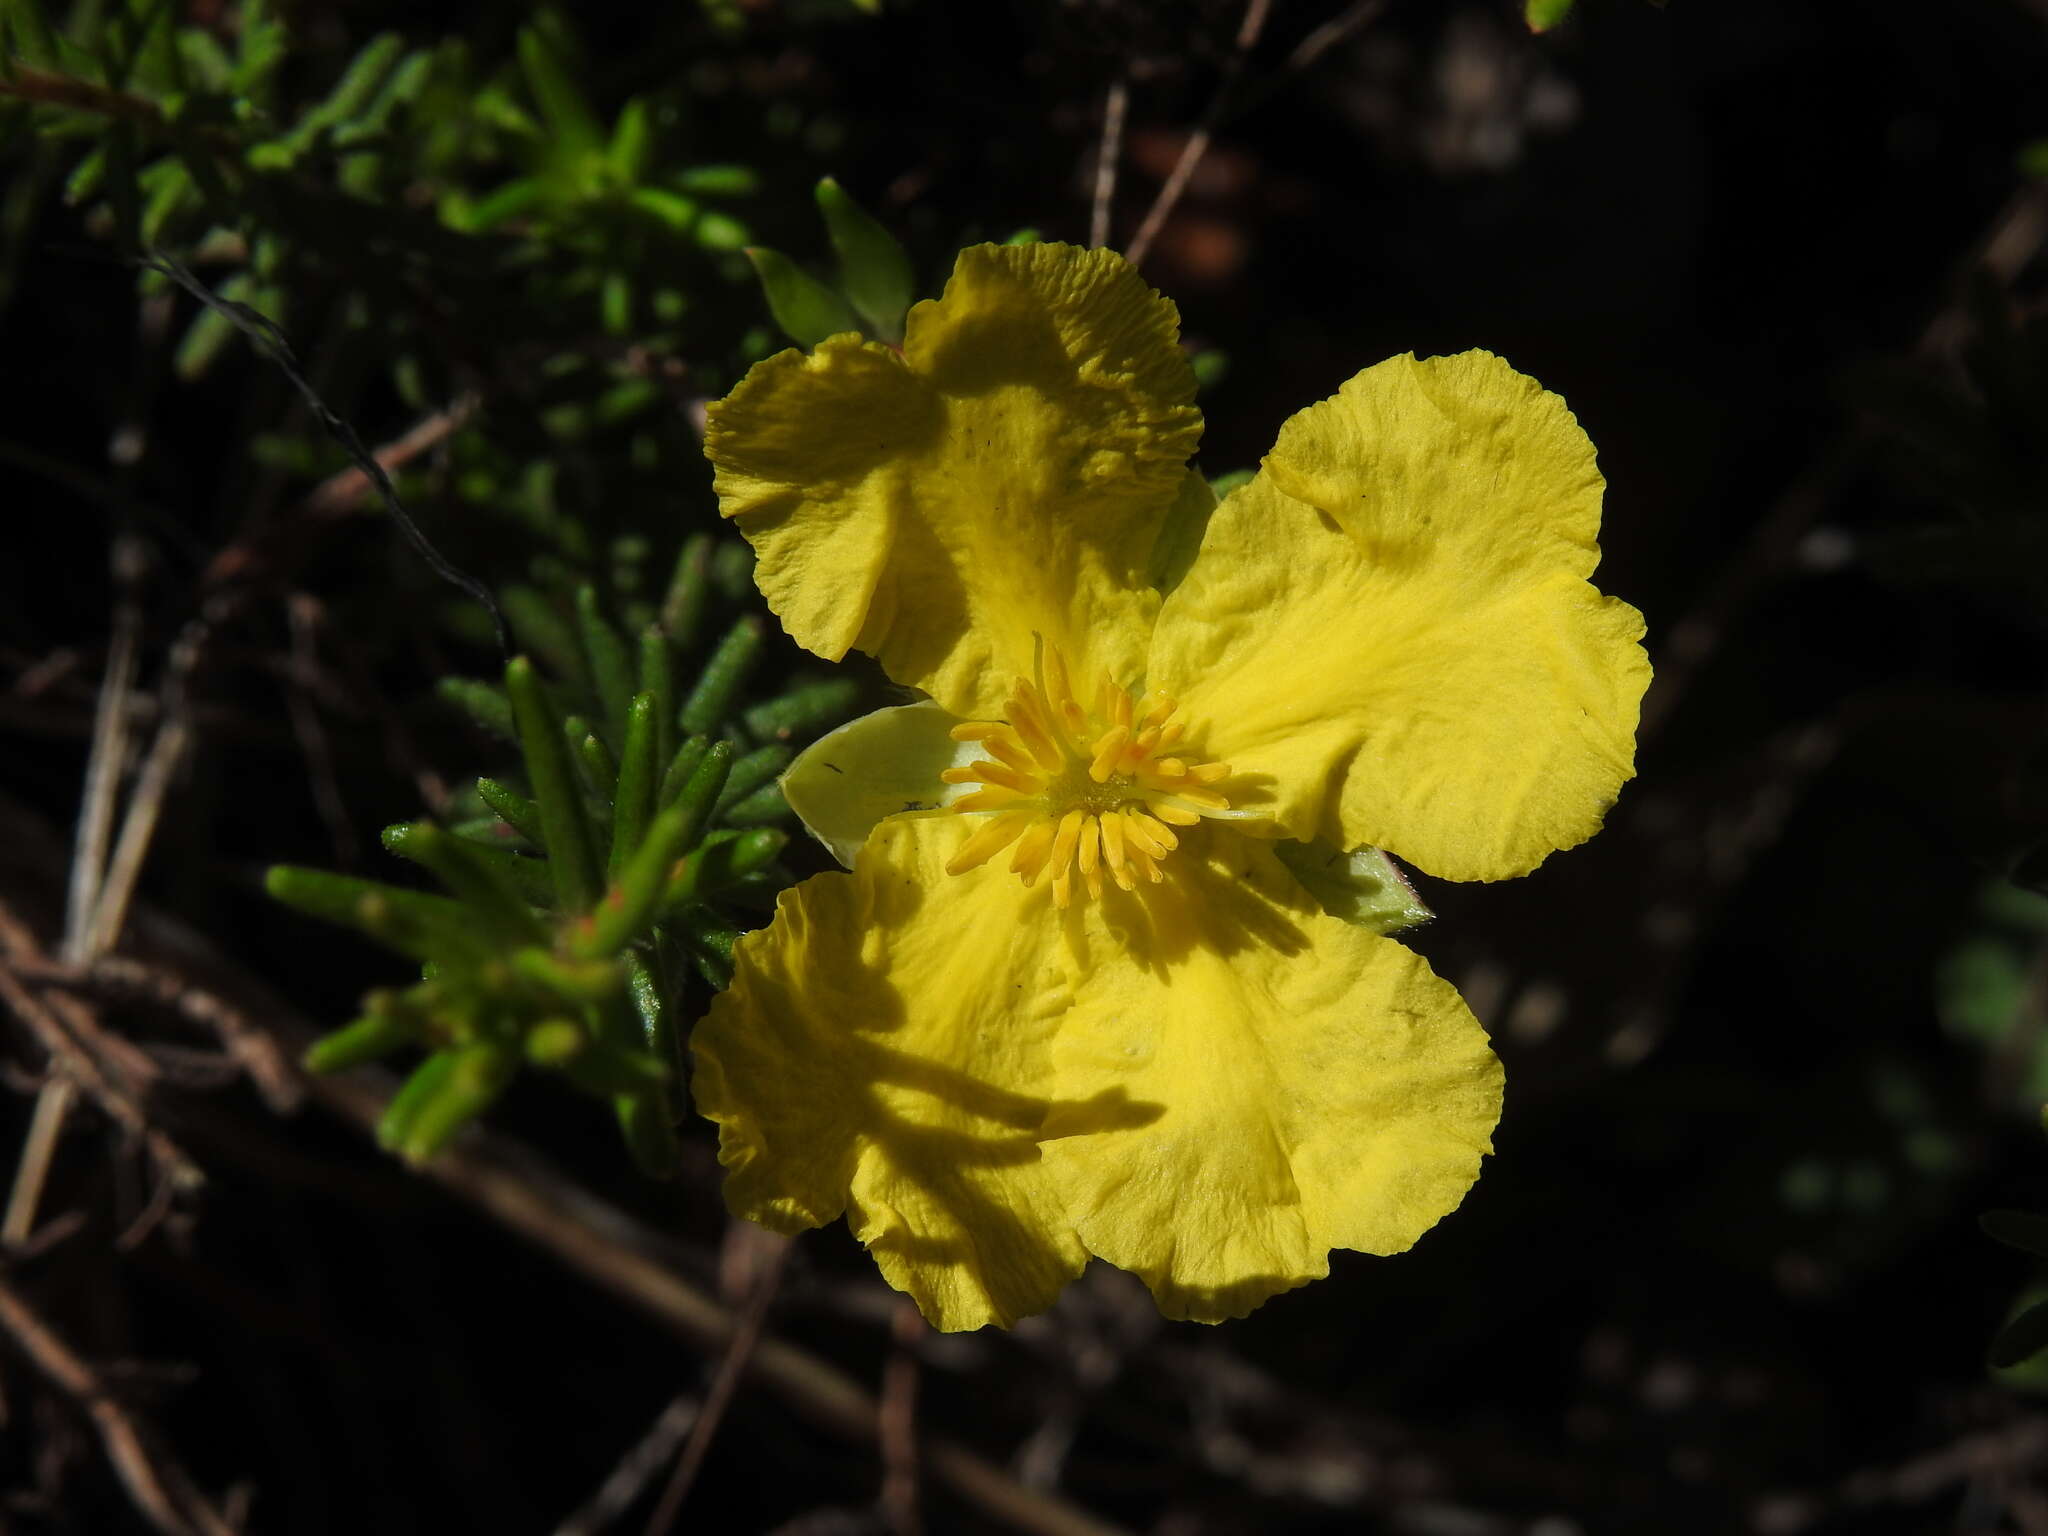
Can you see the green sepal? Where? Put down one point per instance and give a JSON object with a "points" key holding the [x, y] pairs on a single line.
{"points": [[381, 1030], [805, 308], [484, 889], [724, 675], [874, 271], [2017, 1229], [564, 824], [611, 668], [1363, 887], [414, 923], [475, 1076], [514, 809], [2022, 1338], [878, 765], [803, 711], [633, 802]]}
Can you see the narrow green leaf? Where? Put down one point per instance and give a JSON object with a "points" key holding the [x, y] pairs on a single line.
{"points": [[2022, 1338], [476, 1076], [803, 711], [698, 798], [874, 271], [717, 864], [591, 983], [428, 1079], [719, 180], [632, 145], [484, 703], [513, 808], [379, 1032], [708, 940], [484, 888], [572, 125], [555, 1043], [680, 767], [805, 308], [732, 570], [2017, 1229], [633, 803], [766, 804], [751, 772], [650, 1138], [525, 874], [541, 630], [414, 923], [565, 825], [34, 39], [724, 675], [600, 768], [1542, 15], [689, 592], [670, 209], [658, 679], [610, 665]]}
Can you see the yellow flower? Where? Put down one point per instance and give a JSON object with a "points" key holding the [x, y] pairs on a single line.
{"points": [[1069, 1000]]}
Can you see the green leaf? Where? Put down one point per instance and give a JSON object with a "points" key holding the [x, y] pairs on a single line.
{"points": [[725, 674], [485, 890], [2017, 1229], [689, 592], [2022, 1338], [874, 270], [805, 308], [633, 803], [379, 1032], [610, 667], [658, 678], [632, 145], [574, 131], [752, 771], [719, 180], [1542, 15], [1363, 887], [414, 923], [565, 825], [514, 809], [475, 1076], [803, 711], [483, 702]]}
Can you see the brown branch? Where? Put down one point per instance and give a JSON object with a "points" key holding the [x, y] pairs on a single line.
{"points": [[1107, 154], [739, 1351], [899, 1421], [636, 1469], [159, 1486], [1197, 145]]}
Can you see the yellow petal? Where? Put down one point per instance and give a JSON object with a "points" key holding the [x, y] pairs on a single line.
{"points": [[883, 1050], [1389, 635], [1005, 478], [1317, 1086]]}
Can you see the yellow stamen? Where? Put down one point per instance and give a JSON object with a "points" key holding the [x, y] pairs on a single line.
{"points": [[1033, 850], [1107, 750], [990, 840], [1081, 793]]}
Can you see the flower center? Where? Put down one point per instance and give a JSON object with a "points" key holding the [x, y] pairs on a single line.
{"points": [[1090, 789]]}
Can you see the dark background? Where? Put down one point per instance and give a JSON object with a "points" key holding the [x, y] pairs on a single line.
{"points": [[1769, 1051]]}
